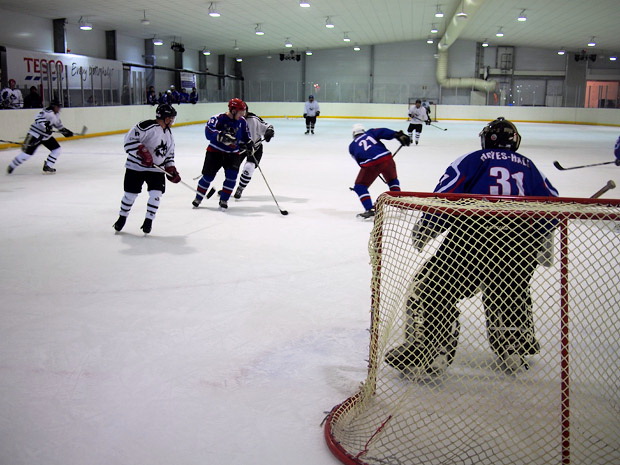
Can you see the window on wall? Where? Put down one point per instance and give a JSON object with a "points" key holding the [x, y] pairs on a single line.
{"points": [[602, 94]]}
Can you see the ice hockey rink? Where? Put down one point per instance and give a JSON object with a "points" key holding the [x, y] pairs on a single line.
{"points": [[223, 337]]}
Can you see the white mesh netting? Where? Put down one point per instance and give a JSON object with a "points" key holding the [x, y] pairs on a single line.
{"points": [[494, 335]]}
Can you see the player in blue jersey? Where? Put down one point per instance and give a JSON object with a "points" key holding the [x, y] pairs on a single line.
{"points": [[497, 256], [617, 151], [374, 160], [229, 137]]}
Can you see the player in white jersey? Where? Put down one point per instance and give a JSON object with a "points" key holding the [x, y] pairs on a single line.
{"points": [[259, 131], [11, 96], [150, 148], [40, 133], [311, 111], [417, 115]]}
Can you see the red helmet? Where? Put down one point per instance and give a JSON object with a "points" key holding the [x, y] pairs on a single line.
{"points": [[237, 104]]}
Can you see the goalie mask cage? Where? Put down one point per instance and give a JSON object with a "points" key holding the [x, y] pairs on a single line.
{"points": [[562, 406]]}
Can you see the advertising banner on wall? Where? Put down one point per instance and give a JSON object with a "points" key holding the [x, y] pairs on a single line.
{"points": [[30, 68]]}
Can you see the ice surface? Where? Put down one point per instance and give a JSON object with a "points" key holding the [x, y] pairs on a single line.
{"points": [[222, 337]]}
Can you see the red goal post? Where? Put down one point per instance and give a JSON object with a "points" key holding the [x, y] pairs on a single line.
{"points": [[561, 406]]}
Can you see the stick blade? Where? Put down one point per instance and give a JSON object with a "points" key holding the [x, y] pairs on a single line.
{"points": [[557, 165]]}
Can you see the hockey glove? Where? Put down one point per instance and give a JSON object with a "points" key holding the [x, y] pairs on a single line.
{"points": [[269, 133], [428, 122], [403, 138], [246, 147], [66, 132], [145, 155], [318, 113], [226, 138], [172, 174], [305, 115]]}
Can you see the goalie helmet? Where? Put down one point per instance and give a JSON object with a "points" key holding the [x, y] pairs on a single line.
{"points": [[165, 111], [358, 129], [236, 104], [500, 133]]}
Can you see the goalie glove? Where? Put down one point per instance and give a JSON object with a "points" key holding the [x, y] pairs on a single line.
{"points": [[145, 155], [403, 138], [269, 133], [172, 174], [66, 132], [226, 138]]}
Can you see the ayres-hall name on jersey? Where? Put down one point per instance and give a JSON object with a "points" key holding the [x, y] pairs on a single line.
{"points": [[493, 155]]}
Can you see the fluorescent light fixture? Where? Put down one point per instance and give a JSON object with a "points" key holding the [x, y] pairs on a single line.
{"points": [[499, 33], [434, 29], [328, 23], [238, 59], [304, 4], [485, 43], [561, 52], [144, 21], [613, 58], [429, 40], [206, 52], [258, 30], [213, 12], [85, 25], [438, 13], [346, 37], [288, 43], [357, 48], [308, 52], [592, 43], [522, 18], [157, 41]]}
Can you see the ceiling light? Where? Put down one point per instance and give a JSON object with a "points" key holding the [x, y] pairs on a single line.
{"points": [[328, 23], [522, 18], [288, 43], [499, 33], [206, 52], [238, 59], [561, 51], [144, 21], [439, 13], [485, 43], [461, 14], [85, 25], [434, 29], [258, 30], [235, 47], [429, 40], [357, 48], [304, 4], [212, 11], [308, 52], [592, 43], [613, 58], [157, 41], [346, 37]]}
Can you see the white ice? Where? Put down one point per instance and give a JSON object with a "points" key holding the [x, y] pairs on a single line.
{"points": [[222, 337]]}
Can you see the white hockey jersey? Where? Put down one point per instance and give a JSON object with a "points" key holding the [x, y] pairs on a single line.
{"points": [[257, 128], [12, 98], [44, 123], [417, 115], [157, 140], [312, 108]]}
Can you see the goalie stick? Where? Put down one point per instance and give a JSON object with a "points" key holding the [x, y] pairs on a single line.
{"points": [[562, 168], [607, 187]]}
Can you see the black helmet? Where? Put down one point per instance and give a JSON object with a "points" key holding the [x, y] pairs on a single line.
{"points": [[500, 133], [55, 103], [164, 111]]}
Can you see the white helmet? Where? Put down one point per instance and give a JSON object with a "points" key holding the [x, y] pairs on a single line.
{"points": [[358, 129]]}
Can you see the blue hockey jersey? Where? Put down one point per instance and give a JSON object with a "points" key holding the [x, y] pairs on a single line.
{"points": [[495, 172], [367, 148], [223, 123]]}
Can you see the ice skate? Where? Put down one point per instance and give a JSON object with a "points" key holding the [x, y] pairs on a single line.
{"points": [[9, 169], [48, 169], [120, 223], [147, 225], [414, 359], [238, 192], [307, 132], [367, 214], [196, 202], [223, 204], [416, 142], [312, 132]]}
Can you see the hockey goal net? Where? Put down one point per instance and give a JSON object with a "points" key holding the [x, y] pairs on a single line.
{"points": [[494, 334]]}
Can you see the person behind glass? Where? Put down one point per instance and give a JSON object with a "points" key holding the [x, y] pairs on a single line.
{"points": [[229, 138], [193, 97], [183, 96], [311, 111], [151, 96], [33, 99], [11, 96]]}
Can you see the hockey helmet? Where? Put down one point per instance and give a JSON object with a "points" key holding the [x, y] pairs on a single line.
{"points": [[500, 133], [358, 129], [164, 111], [12, 82], [310, 97], [237, 104]]}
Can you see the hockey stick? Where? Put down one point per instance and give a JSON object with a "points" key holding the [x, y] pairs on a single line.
{"points": [[381, 176], [560, 167], [284, 212], [431, 124], [184, 183], [81, 133], [607, 187], [11, 142]]}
